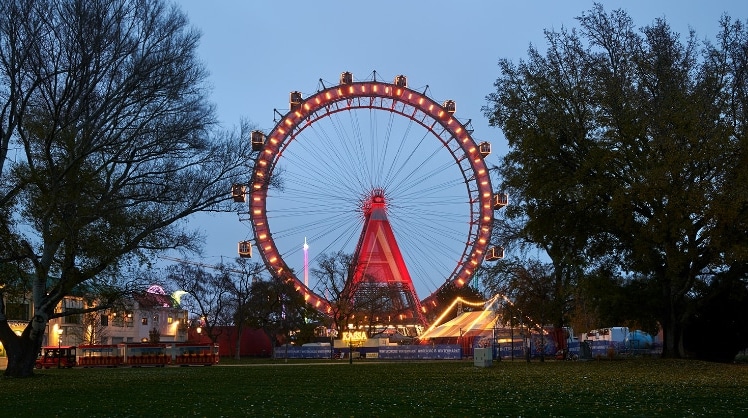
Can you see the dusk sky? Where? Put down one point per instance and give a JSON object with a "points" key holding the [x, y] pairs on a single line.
{"points": [[259, 51]]}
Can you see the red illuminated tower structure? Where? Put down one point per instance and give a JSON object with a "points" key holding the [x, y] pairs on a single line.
{"points": [[381, 280]]}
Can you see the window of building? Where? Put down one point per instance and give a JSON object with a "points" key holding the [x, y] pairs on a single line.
{"points": [[144, 321], [70, 304], [182, 318], [104, 320]]}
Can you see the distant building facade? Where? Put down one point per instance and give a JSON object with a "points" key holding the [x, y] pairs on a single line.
{"points": [[152, 316]]}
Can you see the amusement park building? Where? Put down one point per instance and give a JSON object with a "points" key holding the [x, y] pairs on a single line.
{"points": [[150, 313]]}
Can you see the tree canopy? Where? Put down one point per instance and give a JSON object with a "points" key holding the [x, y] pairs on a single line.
{"points": [[627, 148], [107, 143], [277, 308]]}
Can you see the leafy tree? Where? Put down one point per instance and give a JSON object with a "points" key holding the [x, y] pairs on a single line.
{"points": [[103, 105], [537, 298], [531, 287], [623, 144], [603, 298], [279, 310], [719, 328], [543, 291]]}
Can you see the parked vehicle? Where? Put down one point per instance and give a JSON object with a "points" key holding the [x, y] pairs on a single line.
{"points": [[129, 355], [100, 356], [56, 356], [184, 354]]}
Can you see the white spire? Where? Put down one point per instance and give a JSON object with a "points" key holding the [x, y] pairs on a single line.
{"points": [[306, 263]]}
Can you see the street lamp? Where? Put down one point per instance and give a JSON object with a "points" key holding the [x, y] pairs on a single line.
{"points": [[511, 329], [59, 346], [459, 341], [350, 343]]}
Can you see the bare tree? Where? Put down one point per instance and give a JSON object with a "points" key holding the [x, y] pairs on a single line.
{"points": [[238, 279], [103, 104], [206, 295], [335, 282], [91, 330], [218, 300]]}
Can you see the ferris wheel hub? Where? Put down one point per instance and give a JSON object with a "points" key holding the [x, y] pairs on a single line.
{"points": [[374, 199]]}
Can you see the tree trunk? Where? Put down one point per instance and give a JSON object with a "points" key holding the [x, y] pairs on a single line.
{"points": [[23, 350], [22, 354], [668, 340], [672, 327], [21, 364], [239, 329]]}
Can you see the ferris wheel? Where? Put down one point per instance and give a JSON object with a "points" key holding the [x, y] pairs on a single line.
{"points": [[338, 147]]}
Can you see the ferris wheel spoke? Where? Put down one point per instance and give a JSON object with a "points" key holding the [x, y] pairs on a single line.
{"points": [[434, 245], [314, 226], [315, 184]]}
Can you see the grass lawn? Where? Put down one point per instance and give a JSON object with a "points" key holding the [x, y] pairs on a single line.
{"points": [[630, 388]]}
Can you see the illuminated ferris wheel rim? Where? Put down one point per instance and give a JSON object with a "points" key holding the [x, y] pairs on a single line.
{"points": [[383, 96]]}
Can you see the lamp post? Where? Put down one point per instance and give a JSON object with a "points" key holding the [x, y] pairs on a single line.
{"points": [[350, 351], [511, 330], [59, 346], [350, 344], [459, 341]]}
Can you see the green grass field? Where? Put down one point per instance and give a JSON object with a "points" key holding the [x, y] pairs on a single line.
{"points": [[630, 388]]}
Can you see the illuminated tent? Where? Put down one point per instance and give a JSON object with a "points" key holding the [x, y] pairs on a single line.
{"points": [[468, 324]]}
